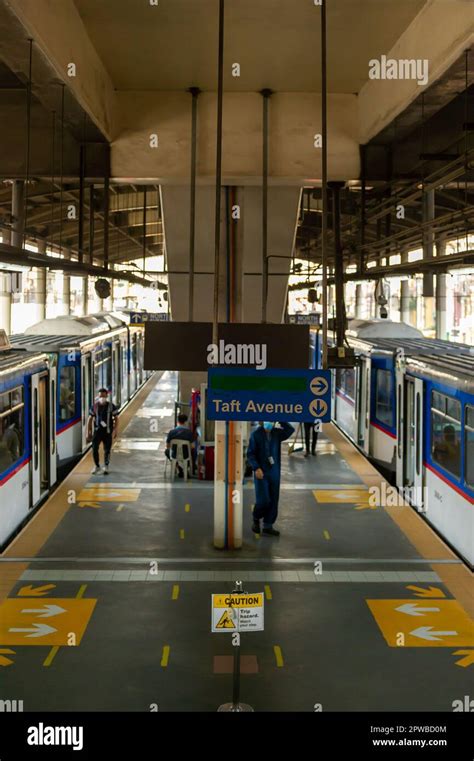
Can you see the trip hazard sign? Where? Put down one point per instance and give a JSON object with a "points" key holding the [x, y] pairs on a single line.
{"points": [[237, 612]]}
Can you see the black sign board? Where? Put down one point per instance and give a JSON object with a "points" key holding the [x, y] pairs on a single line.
{"points": [[188, 345]]}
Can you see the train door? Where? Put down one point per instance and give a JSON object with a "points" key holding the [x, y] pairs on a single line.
{"points": [[40, 452], [400, 397], [52, 426], [116, 370], [86, 400], [363, 402], [413, 441]]}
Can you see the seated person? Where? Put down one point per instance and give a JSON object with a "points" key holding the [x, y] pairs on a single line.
{"points": [[447, 451], [182, 431]]}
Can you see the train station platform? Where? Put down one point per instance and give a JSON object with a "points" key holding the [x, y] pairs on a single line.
{"points": [[105, 599]]}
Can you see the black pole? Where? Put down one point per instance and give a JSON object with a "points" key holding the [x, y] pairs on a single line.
{"points": [[220, 90], [80, 242], [91, 223], [28, 138], [338, 263], [192, 212], [144, 227], [236, 680], [363, 199], [324, 191], [106, 209], [61, 171], [266, 96]]}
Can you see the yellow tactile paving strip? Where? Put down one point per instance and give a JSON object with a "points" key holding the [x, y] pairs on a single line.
{"points": [[32, 538], [457, 578]]}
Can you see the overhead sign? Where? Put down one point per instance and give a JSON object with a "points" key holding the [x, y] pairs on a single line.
{"points": [[140, 318], [273, 395], [190, 346], [305, 319], [237, 612]]}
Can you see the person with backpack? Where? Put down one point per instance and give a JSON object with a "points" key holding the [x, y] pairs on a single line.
{"points": [[103, 421]]}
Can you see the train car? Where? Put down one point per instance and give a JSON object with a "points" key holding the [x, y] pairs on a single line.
{"points": [[88, 353], [384, 405], [27, 434]]}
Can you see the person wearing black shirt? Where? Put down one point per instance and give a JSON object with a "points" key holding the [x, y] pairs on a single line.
{"points": [[103, 418]]}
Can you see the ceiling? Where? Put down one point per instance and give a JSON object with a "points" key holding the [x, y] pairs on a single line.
{"points": [[173, 46]]}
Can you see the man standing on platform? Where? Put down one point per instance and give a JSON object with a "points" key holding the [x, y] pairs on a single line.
{"points": [[103, 420], [264, 457]]}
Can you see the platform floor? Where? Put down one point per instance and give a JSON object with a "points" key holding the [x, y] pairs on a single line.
{"points": [[105, 597]]}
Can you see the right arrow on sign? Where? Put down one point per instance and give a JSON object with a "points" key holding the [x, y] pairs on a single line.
{"points": [[38, 630]]}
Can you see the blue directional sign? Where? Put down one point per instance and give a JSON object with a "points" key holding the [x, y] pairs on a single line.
{"points": [[274, 395]]}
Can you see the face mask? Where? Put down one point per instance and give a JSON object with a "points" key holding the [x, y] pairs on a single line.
{"points": [[102, 400], [268, 426]]}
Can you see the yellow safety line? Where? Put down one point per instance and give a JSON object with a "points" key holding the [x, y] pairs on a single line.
{"points": [[326, 534], [268, 592], [187, 508], [278, 656], [80, 594], [175, 593], [181, 533], [166, 655], [120, 508]]}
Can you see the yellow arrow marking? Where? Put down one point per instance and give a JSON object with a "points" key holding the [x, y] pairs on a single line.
{"points": [[430, 592], [187, 508], [108, 494], [268, 592], [468, 660], [89, 504], [54, 650], [165, 656], [30, 591], [365, 507], [175, 593], [4, 661], [278, 656]]}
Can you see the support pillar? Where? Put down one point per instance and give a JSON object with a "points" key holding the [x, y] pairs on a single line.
{"points": [[358, 302], [440, 306], [38, 292], [405, 301], [18, 213], [5, 303], [85, 296]]}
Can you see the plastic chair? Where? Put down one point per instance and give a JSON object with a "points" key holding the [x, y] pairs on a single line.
{"points": [[178, 446]]}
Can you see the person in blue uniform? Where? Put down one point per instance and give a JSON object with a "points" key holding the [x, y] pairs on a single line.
{"points": [[264, 457]]}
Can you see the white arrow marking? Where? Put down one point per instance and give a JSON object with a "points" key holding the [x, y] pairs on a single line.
{"points": [[46, 611], [411, 609], [38, 630], [426, 632]]}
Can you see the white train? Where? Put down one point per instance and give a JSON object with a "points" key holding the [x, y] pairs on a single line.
{"points": [[49, 378]]}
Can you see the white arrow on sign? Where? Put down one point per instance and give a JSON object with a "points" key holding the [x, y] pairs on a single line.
{"points": [[46, 611], [426, 632], [38, 630], [411, 609]]}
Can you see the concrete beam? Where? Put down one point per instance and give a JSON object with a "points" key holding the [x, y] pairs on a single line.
{"points": [[58, 31], [294, 120], [440, 33]]}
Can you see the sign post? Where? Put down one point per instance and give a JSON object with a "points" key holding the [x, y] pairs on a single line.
{"points": [[233, 613]]}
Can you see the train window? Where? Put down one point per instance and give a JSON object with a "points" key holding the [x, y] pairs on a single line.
{"points": [[67, 392], [446, 432], [11, 427], [469, 445], [383, 397], [345, 382], [107, 363]]}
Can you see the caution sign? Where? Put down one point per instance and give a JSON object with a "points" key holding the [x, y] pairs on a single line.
{"points": [[237, 612]]}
